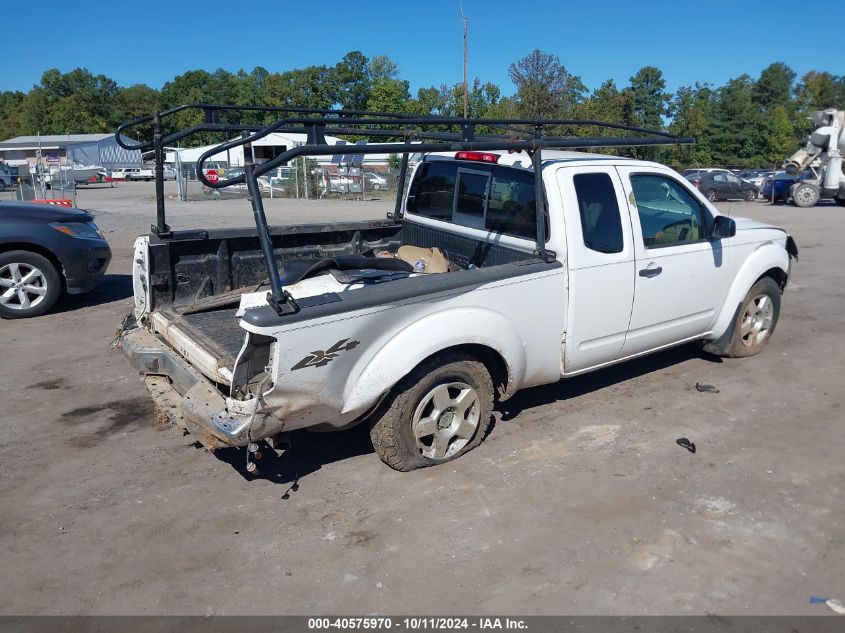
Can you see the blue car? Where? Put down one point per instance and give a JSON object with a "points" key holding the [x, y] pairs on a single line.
{"points": [[45, 252], [776, 188]]}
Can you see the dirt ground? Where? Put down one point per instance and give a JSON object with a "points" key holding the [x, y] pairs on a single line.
{"points": [[579, 501]]}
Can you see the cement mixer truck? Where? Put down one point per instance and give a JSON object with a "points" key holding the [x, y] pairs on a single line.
{"points": [[823, 156]]}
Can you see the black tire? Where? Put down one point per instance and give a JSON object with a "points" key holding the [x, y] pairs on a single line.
{"points": [[748, 195], [711, 195], [840, 201], [49, 278], [743, 343], [391, 429]]}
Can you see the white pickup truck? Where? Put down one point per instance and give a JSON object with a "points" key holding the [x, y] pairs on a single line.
{"points": [[641, 261]]}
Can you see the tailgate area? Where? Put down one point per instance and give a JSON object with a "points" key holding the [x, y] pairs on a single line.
{"points": [[210, 341]]}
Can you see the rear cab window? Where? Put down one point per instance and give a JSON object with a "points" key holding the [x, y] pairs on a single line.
{"points": [[488, 197]]}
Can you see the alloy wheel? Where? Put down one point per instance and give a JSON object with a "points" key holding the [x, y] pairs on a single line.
{"points": [[22, 286], [446, 419], [757, 320]]}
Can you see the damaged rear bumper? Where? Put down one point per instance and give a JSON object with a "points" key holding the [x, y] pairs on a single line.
{"points": [[186, 396]]}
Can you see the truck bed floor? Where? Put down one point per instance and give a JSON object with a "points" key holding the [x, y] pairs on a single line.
{"points": [[209, 340]]}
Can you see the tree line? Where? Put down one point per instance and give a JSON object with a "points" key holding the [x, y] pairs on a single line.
{"points": [[747, 122]]}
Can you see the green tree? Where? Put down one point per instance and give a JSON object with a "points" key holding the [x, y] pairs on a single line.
{"points": [[430, 100], [352, 81], [382, 67], [606, 103], [10, 102], [545, 89], [649, 104], [389, 95], [737, 134], [310, 87], [780, 136], [774, 87], [691, 110], [820, 91], [134, 102]]}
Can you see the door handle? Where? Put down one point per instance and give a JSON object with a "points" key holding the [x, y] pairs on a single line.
{"points": [[651, 272]]}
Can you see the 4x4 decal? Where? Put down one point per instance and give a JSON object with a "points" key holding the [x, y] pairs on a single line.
{"points": [[322, 358]]}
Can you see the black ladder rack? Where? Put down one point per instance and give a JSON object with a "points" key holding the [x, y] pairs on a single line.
{"points": [[422, 134]]}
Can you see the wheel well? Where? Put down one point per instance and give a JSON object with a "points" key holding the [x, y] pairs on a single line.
{"points": [[35, 248], [491, 359], [778, 275]]}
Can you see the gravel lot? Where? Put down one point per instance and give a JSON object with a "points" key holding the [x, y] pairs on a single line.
{"points": [[579, 501]]}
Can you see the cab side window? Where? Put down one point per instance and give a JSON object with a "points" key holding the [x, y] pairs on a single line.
{"points": [[669, 214], [601, 224]]}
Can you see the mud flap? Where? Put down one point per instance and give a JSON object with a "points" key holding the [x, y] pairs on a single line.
{"points": [[722, 345]]}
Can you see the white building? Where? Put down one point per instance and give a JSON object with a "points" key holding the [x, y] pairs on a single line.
{"points": [[264, 149], [67, 149]]}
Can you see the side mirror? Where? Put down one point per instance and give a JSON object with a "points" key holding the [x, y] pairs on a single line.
{"points": [[723, 227]]}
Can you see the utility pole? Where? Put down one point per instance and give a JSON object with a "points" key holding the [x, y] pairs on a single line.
{"points": [[466, 101]]}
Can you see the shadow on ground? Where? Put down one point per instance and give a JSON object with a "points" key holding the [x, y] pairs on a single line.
{"points": [[311, 451], [307, 454], [601, 379], [111, 288]]}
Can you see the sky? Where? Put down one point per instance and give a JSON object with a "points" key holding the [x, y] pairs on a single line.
{"points": [[151, 42]]}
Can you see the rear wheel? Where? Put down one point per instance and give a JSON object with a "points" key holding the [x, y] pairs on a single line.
{"points": [[711, 195], [756, 319], [437, 413], [29, 285], [805, 195]]}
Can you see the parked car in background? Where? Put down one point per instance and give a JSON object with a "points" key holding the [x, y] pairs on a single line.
{"points": [[140, 173], [756, 177], [696, 172], [45, 251], [777, 186], [375, 181], [723, 185]]}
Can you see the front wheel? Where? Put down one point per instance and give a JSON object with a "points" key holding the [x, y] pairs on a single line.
{"points": [[756, 319], [749, 195], [29, 285], [805, 195], [441, 410]]}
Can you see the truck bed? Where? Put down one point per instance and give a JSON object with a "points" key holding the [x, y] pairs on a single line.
{"points": [[197, 277]]}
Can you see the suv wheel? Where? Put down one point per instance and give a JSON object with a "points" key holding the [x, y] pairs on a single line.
{"points": [[29, 285], [437, 413]]}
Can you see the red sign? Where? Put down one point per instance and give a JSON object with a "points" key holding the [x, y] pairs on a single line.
{"points": [[211, 176]]}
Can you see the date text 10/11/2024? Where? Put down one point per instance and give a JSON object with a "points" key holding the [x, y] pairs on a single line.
{"points": [[416, 623]]}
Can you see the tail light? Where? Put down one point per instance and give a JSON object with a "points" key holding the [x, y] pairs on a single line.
{"points": [[695, 182], [482, 157]]}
